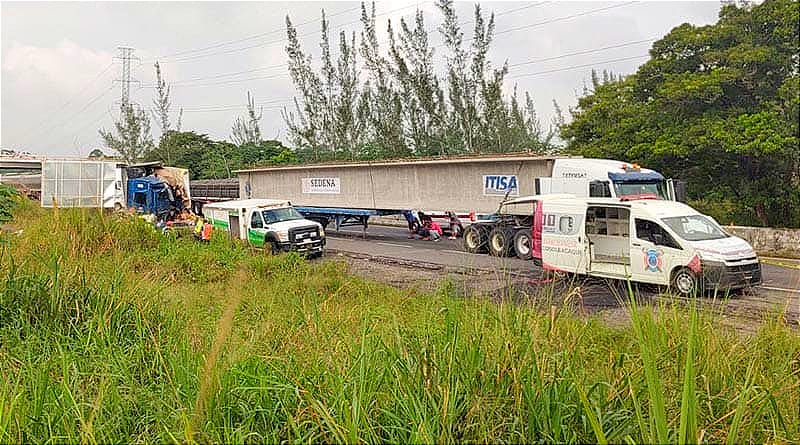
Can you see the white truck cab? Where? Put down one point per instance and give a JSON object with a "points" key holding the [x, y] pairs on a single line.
{"points": [[605, 178], [643, 240], [269, 223]]}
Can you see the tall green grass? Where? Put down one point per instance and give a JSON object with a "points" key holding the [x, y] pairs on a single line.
{"points": [[112, 332]]}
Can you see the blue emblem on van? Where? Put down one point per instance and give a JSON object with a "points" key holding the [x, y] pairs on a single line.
{"points": [[652, 260]]}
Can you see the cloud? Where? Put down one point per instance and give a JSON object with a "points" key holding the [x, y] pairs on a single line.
{"points": [[65, 67]]}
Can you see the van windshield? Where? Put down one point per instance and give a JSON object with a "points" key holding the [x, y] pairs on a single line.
{"points": [[639, 188], [278, 215], [695, 228]]}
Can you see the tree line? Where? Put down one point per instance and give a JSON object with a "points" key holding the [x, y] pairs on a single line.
{"points": [[373, 102], [716, 106]]}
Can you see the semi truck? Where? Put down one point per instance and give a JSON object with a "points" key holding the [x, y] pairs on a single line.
{"points": [[148, 188], [268, 223], [644, 240]]}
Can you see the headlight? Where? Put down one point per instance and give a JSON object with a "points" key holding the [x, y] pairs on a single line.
{"points": [[283, 235], [321, 232], [711, 257]]}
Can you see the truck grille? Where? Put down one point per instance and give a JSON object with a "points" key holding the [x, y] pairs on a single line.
{"points": [[302, 234]]}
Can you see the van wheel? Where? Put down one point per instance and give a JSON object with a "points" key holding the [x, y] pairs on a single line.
{"points": [[501, 241], [522, 244], [687, 283], [475, 238]]}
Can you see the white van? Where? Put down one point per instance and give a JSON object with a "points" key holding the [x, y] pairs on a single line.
{"points": [[643, 240], [267, 223]]}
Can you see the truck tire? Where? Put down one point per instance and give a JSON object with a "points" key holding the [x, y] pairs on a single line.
{"points": [[475, 237], [522, 244], [501, 241], [687, 283]]}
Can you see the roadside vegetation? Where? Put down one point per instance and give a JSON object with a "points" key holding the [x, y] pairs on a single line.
{"points": [[112, 332]]}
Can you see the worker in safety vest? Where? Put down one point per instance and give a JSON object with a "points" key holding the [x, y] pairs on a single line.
{"points": [[198, 228], [206, 236]]}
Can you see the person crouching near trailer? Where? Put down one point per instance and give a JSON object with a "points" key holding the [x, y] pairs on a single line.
{"points": [[433, 231], [456, 228]]}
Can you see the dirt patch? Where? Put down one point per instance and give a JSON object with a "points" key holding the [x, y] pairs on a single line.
{"points": [[605, 299]]}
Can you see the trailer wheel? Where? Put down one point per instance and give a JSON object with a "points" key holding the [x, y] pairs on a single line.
{"points": [[522, 244], [501, 241], [475, 237], [687, 283]]}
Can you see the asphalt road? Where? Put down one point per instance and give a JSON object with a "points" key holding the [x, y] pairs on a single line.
{"points": [[779, 283]]}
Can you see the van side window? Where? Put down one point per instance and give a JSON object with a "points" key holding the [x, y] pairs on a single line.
{"points": [[654, 233], [610, 221], [599, 189], [255, 221]]}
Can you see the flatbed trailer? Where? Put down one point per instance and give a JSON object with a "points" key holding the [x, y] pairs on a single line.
{"points": [[343, 217]]}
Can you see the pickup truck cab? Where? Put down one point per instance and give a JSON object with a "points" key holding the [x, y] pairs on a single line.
{"points": [[642, 240], [270, 223]]}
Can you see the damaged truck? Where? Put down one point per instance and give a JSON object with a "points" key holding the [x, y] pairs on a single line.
{"points": [[148, 188]]}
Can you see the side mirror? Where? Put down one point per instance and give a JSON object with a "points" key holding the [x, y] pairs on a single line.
{"points": [[680, 191]]}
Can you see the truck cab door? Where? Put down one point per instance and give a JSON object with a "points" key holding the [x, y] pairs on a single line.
{"points": [[256, 233]]}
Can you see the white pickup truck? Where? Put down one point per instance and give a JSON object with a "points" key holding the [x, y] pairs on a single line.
{"points": [[270, 223]]}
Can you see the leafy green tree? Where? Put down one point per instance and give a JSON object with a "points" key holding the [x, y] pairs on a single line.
{"points": [[131, 140], [716, 106]]}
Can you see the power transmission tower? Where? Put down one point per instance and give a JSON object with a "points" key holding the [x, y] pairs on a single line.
{"points": [[126, 55]]}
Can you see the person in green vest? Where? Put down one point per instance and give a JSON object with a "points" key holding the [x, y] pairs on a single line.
{"points": [[198, 228]]}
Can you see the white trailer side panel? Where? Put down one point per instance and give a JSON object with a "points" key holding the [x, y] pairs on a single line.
{"points": [[461, 185]]}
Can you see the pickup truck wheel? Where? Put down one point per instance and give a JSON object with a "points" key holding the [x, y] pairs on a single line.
{"points": [[272, 247], [687, 283], [522, 244], [501, 241], [475, 239]]}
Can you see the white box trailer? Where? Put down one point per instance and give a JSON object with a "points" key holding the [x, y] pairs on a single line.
{"points": [[83, 183]]}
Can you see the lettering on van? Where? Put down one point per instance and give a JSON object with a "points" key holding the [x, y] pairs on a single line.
{"points": [[574, 175], [500, 185], [562, 246], [321, 186]]}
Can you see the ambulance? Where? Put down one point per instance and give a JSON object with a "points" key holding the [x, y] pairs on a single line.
{"points": [[270, 223], [642, 240]]}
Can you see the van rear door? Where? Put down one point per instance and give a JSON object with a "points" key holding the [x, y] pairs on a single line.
{"points": [[563, 244]]}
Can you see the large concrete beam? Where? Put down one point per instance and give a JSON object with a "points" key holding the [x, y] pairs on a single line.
{"points": [[456, 185]]}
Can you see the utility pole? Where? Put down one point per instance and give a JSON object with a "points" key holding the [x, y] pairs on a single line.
{"points": [[126, 55]]}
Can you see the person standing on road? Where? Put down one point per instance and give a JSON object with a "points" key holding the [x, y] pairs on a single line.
{"points": [[413, 222]]}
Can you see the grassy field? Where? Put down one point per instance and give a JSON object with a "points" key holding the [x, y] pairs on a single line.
{"points": [[112, 332]]}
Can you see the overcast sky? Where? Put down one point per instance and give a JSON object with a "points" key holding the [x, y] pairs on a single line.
{"points": [[58, 65]]}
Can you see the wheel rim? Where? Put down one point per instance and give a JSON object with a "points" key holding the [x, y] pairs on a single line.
{"points": [[684, 282], [497, 243], [472, 239], [523, 245]]}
